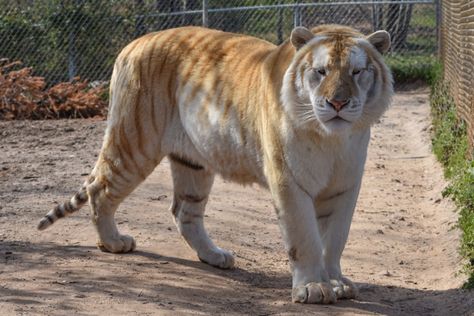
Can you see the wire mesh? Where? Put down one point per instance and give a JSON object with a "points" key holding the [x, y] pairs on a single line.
{"points": [[62, 39], [457, 54]]}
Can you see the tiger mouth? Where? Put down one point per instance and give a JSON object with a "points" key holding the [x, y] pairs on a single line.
{"points": [[338, 118]]}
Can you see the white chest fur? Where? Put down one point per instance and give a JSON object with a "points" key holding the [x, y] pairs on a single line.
{"points": [[327, 167]]}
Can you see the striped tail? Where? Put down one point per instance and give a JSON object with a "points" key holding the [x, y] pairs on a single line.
{"points": [[64, 209]]}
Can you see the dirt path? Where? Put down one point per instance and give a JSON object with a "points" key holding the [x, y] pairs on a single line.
{"points": [[401, 249]]}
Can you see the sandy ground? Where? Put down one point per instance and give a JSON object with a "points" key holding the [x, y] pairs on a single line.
{"points": [[401, 250]]}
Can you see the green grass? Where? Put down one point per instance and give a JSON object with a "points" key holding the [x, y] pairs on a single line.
{"points": [[411, 68], [450, 145]]}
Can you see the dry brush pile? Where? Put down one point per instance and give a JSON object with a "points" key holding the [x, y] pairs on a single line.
{"points": [[24, 96]]}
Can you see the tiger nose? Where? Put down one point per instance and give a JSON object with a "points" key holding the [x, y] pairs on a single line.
{"points": [[337, 104]]}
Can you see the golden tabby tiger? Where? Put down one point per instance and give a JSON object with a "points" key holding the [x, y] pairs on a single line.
{"points": [[294, 118]]}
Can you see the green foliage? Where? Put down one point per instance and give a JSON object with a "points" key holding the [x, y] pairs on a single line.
{"points": [[14, 47], [470, 282], [450, 145], [411, 68], [424, 16], [63, 39], [421, 42]]}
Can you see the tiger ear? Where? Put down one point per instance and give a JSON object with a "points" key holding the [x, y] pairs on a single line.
{"points": [[380, 40], [300, 36]]}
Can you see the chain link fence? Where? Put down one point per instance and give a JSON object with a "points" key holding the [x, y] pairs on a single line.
{"points": [[62, 39], [457, 54]]}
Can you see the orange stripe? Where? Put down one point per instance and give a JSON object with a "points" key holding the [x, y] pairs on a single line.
{"points": [[126, 146], [150, 79], [125, 53], [113, 167], [191, 60], [138, 121], [123, 159]]}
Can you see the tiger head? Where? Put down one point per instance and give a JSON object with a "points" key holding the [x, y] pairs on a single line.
{"points": [[337, 79]]}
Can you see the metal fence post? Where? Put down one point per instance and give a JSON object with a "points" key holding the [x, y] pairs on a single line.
{"points": [[205, 21], [71, 42], [280, 26], [296, 16], [71, 54], [438, 27]]}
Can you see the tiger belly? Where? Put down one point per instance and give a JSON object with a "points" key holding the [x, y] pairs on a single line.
{"points": [[222, 142]]}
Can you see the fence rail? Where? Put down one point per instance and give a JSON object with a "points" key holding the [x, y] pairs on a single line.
{"points": [[62, 39]]}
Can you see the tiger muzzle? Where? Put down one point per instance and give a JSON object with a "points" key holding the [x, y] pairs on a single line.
{"points": [[337, 104]]}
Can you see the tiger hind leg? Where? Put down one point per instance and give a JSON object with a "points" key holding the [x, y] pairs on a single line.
{"points": [[103, 207], [114, 180], [192, 185]]}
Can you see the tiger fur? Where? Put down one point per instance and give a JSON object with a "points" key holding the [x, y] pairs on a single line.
{"points": [[294, 118]]}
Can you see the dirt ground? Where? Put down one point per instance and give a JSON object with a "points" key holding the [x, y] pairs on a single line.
{"points": [[402, 249]]}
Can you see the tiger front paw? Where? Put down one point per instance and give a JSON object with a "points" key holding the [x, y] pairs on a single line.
{"points": [[344, 288], [217, 257], [314, 293]]}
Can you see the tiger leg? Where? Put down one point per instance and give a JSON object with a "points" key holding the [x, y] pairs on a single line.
{"points": [[114, 180], [103, 206], [192, 184], [300, 230], [335, 230]]}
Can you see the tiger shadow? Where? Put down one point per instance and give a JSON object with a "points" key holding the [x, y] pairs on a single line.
{"points": [[173, 283]]}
